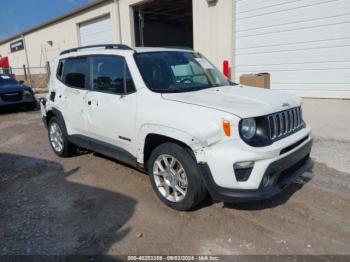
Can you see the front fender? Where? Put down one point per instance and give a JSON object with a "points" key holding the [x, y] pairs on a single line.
{"points": [[180, 135]]}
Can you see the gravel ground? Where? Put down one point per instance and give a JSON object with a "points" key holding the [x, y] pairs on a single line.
{"points": [[92, 205]]}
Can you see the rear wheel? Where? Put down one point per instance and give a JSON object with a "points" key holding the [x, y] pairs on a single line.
{"points": [[58, 140], [175, 177]]}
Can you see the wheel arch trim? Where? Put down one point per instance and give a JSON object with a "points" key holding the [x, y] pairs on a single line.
{"points": [[174, 134], [57, 113]]}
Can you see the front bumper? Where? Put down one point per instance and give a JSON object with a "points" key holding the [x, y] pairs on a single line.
{"points": [[281, 171], [42, 103], [23, 101]]}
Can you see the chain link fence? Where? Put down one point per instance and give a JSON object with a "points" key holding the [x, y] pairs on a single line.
{"points": [[36, 77]]}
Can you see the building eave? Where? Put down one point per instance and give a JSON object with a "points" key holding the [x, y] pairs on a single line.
{"points": [[55, 20]]}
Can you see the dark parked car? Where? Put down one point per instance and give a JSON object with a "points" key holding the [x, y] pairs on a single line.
{"points": [[14, 93]]}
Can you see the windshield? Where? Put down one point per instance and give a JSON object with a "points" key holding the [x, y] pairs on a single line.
{"points": [[177, 71], [7, 80]]}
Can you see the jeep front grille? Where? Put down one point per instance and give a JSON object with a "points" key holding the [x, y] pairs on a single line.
{"points": [[285, 123]]}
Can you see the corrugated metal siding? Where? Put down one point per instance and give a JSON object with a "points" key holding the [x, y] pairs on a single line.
{"points": [[304, 44]]}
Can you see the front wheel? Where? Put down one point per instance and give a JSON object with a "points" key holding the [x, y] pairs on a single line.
{"points": [[175, 177]]}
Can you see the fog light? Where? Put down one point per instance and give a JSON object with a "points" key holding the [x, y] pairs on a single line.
{"points": [[248, 164], [243, 170]]}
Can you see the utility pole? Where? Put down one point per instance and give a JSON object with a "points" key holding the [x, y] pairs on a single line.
{"points": [[27, 60]]}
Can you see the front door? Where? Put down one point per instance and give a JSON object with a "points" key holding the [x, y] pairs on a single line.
{"points": [[111, 102]]}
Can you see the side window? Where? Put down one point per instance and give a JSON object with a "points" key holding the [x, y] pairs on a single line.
{"points": [[75, 72], [59, 70], [110, 74]]}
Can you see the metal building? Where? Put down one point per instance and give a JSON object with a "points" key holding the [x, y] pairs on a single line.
{"points": [[303, 44]]}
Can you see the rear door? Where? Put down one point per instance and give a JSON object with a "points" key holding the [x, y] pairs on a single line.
{"points": [[75, 83], [111, 102]]}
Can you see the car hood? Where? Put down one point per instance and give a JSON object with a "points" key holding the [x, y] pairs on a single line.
{"points": [[242, 101], [10, 88]]}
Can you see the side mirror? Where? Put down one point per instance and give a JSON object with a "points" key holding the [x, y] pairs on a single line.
{"points": [[21, 82]]}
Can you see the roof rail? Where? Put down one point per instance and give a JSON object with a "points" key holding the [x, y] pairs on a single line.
{"points": [[107, 46]]}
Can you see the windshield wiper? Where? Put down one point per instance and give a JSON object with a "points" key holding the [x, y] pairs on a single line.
{"points": [[160, 90], [175, 90], [232, 83]]}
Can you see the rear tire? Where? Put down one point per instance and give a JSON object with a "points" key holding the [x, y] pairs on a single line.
{"points": [[175, 177], [58, 138]]}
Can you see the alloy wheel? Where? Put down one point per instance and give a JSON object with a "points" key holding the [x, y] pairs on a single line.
{"points": [[56, 137], [170, 178]]}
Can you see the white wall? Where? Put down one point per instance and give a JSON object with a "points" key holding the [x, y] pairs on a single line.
{"points": [[305, 45], [213, 29], [97, 31], [16, 58]]}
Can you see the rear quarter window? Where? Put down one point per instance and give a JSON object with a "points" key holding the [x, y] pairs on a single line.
{"points": [[59, 70]]}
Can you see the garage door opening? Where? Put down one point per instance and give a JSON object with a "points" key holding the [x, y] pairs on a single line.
{"points": [[164, 23]]}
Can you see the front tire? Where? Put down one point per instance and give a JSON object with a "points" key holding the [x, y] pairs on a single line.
{"points": [[58, 139], [175, 177]]}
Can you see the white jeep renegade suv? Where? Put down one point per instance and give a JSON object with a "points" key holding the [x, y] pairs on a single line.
{"points": [[171, 113]]}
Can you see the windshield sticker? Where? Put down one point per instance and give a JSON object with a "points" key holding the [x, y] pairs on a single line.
{"points": [[204, 63], [5, 77]]}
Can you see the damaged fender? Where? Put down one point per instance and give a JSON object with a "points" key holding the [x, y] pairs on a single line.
{"points": [[195, 144]]}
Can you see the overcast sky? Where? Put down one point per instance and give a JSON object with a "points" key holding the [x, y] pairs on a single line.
{"points": [[19, 15]]}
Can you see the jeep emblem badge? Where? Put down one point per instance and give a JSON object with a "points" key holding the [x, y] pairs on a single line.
{"points": [[285, 105]]}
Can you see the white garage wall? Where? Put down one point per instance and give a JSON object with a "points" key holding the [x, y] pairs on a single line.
{"points": [[97, 31], [304, 44], [213, 30]]}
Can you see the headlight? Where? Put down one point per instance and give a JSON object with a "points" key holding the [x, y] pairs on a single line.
{"points": [[27, 91], [248, 128]]}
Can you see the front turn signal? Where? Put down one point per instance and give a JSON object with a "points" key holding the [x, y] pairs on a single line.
{"points": [[226, 125]]}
